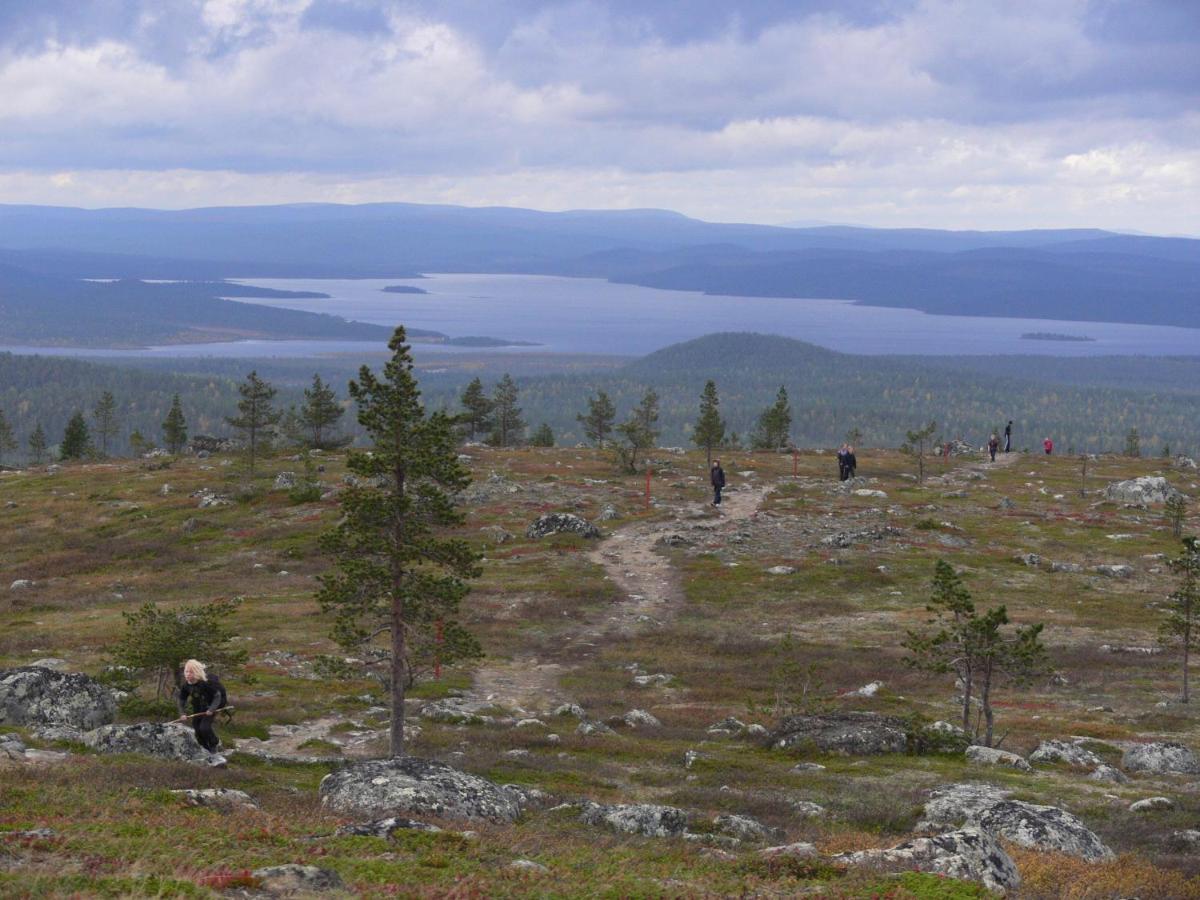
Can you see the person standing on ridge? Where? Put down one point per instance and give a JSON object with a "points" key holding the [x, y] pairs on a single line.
{"points": [[717, 477], [841, 461], [851, 462], [208, 696], [1048, 446], [1008, 436], [993, 446]]}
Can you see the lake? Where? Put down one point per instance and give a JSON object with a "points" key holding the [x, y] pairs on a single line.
{"points": [[589, 315]]}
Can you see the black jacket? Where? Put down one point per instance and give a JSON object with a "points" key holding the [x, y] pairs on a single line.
{"points": [[717, 476], [206, 696]]}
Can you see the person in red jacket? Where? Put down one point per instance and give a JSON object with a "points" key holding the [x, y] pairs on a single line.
{"points": [[1048, 446]]}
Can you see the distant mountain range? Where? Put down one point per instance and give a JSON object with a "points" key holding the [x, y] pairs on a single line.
{"points": [[1075, 274]]}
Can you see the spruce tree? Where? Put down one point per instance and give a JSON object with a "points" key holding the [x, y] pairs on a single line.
{"points": [[7, 441], [174, 427], [320, 414], [542, 436], [598, 421], [917, 444], [76, 442], [709, 431], [398, 572], [640, 431], [255, 415], [1183, 617], [37, 445], [477, 411], [104, 414], [507, 424], [774, 424]]}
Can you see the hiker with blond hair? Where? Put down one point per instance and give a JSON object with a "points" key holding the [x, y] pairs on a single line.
{"points": [[208, 696]]}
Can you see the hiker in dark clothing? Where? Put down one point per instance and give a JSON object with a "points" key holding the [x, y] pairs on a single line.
{"points": [[993, 446], [207, 695], [1008, 436], [717, 477], [851, 463], [843, 467]]}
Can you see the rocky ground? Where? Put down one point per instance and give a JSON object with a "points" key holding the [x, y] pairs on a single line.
{"points": [[676, 700]]}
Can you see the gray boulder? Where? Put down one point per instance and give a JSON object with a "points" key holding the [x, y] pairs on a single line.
{"points": [[557, 523], [172, 741], [223, 799], [639, 718], [1108, 774], [639, 818], [744, 828], [297, 879], [1152, 804], [1065, 752], [410, 785], [33, 695], [799, 850], [1161, 759], [384, 828], [1043, 828], [969, 853], [587, 728], [285, 481], [729, 725], [959, 803], [1114, 571], [1141, 491], [990, 756], [845, 733]]}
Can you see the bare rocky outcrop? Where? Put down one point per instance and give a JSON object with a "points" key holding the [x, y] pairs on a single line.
{"points": [[638, 818], [845, 733], [421, 787], [1043, 828], [968, 853], [1141, 491], [558, 523], [35, 695], [1161, 759], [294, 879]]}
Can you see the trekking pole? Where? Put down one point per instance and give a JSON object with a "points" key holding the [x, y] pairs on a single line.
{"points": [[205, 713]]}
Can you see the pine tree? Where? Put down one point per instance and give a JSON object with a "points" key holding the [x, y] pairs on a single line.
{"points": [[37, 445], [974, 647], [598, 421], [320, 414], [542, 436], [477, 406], [255, 415], [175, 433], [774, 424], [7, 441], [1133, 443], [916, 445], [709, 431], [105, 416], [639, 430], [507, 424], [138, 443], [397, 571], [76, 442], [1183, 619]]}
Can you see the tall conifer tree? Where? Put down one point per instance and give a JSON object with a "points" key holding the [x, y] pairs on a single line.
{"points": [[104, 414], [709, 431], [174, 427], [320, 413], [256, 414]]}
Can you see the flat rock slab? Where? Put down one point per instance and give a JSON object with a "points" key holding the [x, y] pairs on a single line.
{"points": [[35, 695], [969, 853], [414, 786], [847, 734], [639, 818]]}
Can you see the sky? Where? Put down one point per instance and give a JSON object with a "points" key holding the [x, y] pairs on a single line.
{"points": [[936, 113]]}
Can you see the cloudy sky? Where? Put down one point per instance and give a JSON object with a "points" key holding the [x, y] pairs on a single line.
{"points": [[943, 113]]}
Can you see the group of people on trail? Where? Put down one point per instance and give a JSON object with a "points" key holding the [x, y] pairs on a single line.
{"points": [[993, 444], [847, 463], [207, 696]]}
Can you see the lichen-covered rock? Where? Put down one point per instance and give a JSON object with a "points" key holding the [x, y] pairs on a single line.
{"points": [[798, 850], [637, 818], [1065, 752], [422, 787], [285, 481], [1161, 759], [1141, 491], [457, 711], [969, 853], [955, 804], [33, 695], [1152, 804], [216, 798], [497, 534], [557, 523], [639, 718], [729, 725], [1114, 571], [744, 828], [990, 756], [586, 728], [1108, 774], [297, 879], [845, 733], [1043, 828], [384, 828], [171, 741]]}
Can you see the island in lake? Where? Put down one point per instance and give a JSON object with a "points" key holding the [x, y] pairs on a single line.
{"points": [[1054, 336], [403, 289]]}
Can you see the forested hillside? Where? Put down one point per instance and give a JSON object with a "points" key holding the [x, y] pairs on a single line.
{"points": [[830, 393]]}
